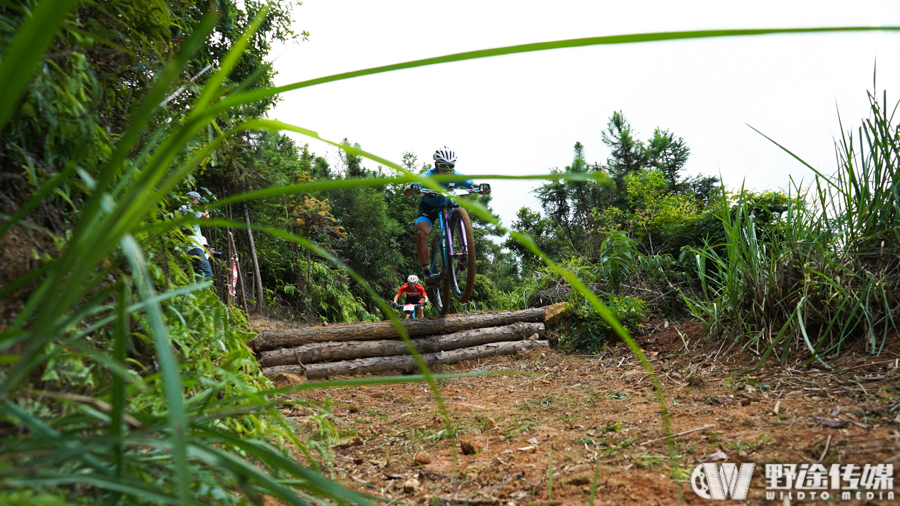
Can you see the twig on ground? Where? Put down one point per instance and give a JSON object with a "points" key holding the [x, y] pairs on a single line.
{"points": [[825, 452], [707, 426]]}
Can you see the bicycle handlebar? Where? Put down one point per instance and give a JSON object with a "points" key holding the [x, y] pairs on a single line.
{"points": [[458, 192], [400, 306]]}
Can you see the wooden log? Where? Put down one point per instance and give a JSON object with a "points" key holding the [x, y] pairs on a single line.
{"points": [[369, 331], [403, 362], [555, 312], [348, 350]]}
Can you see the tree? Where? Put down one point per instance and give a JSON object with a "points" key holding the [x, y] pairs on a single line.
{"points": [[542, 232], [668, 154], [627, 153], [569, 204], [353, 163], [313, 219]]}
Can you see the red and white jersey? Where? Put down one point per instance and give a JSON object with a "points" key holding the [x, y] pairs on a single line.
{"points": [[412, 290]]}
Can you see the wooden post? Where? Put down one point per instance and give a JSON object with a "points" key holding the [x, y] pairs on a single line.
{"points": [[243, 285], [258, 279], [231, 260]]}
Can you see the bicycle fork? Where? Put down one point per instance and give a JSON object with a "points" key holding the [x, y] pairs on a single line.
{"points": [[447, 243]]}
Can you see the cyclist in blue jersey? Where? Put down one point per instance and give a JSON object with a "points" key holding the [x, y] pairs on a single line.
{"points": [[444, 164]]}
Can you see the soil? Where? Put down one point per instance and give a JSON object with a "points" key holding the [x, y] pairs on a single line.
{"points": [[557, 428]]}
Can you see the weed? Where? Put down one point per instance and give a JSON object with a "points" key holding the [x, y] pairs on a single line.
{"points": [[648, 461], [584, 440], [680, 473], [745, 448], [550, 476]]}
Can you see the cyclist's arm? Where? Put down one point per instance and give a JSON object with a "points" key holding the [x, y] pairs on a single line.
{"points": [[422, 292], [398, 293]]}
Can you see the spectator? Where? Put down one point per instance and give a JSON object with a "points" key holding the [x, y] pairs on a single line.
{"points": [[196, 243]]}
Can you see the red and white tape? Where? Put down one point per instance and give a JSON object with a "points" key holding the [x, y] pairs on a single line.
{"points": [[233, 288]]}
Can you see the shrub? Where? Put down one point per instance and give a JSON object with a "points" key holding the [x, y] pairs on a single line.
{"points": [[589, 331]]}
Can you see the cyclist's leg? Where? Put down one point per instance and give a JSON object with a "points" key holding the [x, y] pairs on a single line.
{"points": [[424, 219], [423, 229]]}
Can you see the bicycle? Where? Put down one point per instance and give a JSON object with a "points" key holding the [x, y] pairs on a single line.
{"points": [[453, 251], [409, 309]]}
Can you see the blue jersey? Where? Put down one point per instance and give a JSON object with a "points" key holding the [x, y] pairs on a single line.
{"points": [[439, 200]]}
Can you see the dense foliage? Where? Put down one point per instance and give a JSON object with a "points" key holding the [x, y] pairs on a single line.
{"points": [[800, 270], [122, 381]]}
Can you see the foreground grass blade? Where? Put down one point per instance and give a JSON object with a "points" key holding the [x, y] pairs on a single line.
{"points": [[178, 420], [22, 56], [257, 95]]}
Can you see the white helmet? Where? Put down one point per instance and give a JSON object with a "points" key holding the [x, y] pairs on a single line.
{"points": [[412, 279], [445, 155]]}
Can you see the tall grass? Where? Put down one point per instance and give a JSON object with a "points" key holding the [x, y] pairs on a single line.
{"points": [[826, 272], [161, 432]]}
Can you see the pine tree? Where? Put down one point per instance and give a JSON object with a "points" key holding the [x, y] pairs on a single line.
{"points": [[627, 153], [669, 155]]}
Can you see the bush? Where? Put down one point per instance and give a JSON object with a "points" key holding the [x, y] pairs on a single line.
{"points": [[589, 331]]}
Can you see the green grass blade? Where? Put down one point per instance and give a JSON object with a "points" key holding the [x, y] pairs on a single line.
{"points": [[117, 427], [44, 431], [22, 56], [227, 64], [271, 457], [123, 486], [178, 420], [258, 95]]}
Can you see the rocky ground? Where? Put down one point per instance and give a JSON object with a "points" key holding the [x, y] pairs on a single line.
{"points": [[558, 428]]}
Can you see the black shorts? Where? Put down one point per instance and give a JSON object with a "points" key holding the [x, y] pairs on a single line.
{"points": [[427, 213], [413, 299]]}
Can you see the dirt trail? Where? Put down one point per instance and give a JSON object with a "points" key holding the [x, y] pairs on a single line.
{"points": [[569, 416]]}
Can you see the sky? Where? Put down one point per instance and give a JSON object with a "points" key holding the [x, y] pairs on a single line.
{"points": [[522, 114]]}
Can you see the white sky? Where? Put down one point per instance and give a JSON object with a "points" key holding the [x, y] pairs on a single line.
{"points": [[522, 114]]}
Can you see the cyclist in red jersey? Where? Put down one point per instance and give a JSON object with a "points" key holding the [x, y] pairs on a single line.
{"points": [[415, 293]]}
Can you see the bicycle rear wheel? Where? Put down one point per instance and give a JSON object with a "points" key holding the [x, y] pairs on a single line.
{"points": [[440, 292], [462, 262]]}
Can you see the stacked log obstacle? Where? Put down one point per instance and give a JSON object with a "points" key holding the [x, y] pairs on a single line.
{"points": [[360, 348]]}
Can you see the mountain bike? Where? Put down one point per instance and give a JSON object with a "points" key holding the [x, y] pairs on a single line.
{"points": [[409, 309], [453, 251]]}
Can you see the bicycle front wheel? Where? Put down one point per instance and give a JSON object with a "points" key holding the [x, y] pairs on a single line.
{"points": [[441, 291], [462, 259]]}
